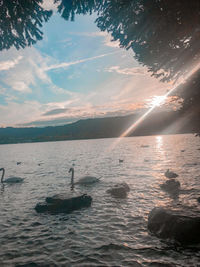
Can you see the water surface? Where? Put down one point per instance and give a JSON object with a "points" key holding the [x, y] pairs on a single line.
{"points": [[112, 232]]}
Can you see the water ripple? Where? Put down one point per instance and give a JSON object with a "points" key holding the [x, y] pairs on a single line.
{"points": [[112, 232]]}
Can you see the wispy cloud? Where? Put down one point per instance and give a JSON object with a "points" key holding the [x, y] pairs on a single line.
{"points": [[127, 71], [69, 119], [89, 34], [6, 65], [109, 42], [29, 112], [14, 113], [33, 95], [25, 71], [52, 122], [29, 69], [56, 111], [107, 38], [71, 114]]}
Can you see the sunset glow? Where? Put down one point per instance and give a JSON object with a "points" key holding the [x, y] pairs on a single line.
{"points": [[158, 100], [74, 73]]}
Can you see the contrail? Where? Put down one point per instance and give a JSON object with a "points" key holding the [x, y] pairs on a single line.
{"points": [[67, 64]]}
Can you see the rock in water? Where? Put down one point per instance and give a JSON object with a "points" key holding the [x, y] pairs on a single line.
{"points": [[168, 224], [58, 204], [171, 186], [119, 190], [170, 174]]}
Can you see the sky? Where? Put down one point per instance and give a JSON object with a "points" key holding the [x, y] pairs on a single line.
{"points": [[75, 72]]}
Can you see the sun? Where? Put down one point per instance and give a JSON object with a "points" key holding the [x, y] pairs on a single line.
{"points": [[157, 101]]}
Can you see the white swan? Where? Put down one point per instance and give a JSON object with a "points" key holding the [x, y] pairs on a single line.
{"points": [[170, 174], [11, 179], [86, 180]]}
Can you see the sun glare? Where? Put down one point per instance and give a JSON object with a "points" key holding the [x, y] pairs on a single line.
{"points": [[157, 101]]}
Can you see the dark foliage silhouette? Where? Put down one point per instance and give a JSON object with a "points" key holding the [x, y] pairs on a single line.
{"points": [[20, 22], [164, 35]]}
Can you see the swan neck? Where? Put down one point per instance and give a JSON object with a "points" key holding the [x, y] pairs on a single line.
{"points": [[72, 179], [3, 173]]}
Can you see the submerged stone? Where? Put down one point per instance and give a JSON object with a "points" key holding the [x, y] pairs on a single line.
{"points": [[171, 186], [170, 174], [61, 204], [168, 224], [119, 190]]}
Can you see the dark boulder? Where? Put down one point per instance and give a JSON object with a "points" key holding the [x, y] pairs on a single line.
{"points": [[119, 190], [170, 174], [58, 204], [170, 225], [171, 186]]}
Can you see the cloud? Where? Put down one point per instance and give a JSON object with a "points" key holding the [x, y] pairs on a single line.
{"points": [[109, 42], [89, 34], [169, 102], [6, 65], [20, 86], [140, 87], [55, 122], [26, 77], [25, 71], [29, 112], [56, 117], [120, 95], [107, 38], [17, 113], [61, 121], [128, 71], [56, 111], [29, 73], [49, 5]]}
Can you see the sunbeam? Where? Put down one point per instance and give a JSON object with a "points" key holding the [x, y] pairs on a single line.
{"points": [[156, 104]]}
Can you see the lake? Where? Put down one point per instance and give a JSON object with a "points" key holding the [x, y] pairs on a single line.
{"points": [[112, 232]]}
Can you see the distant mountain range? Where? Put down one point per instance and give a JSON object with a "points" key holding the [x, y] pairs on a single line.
{"points": [[163, 122]]}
